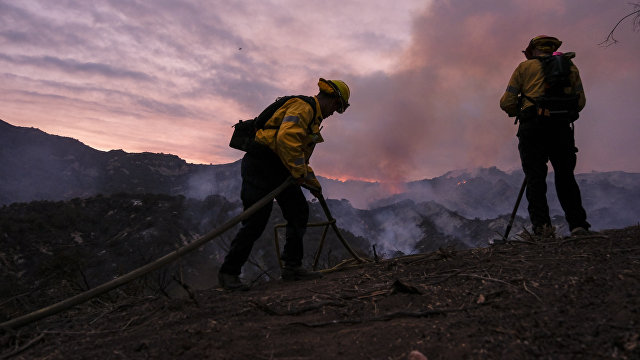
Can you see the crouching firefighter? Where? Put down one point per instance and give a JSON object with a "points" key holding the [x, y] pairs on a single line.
{"points": [[545, 95], [288, 131]]}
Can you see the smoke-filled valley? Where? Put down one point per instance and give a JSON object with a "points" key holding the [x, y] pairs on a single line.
{"points": [[39, 166]]}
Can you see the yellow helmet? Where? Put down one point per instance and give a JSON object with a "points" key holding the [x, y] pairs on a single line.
{"points": [[336, 88]]}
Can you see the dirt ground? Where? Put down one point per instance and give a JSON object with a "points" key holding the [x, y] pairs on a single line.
{"points": [[570, 298]]}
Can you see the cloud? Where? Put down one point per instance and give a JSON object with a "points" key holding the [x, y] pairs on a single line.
{"points": [[71, 67], [426, 77]]}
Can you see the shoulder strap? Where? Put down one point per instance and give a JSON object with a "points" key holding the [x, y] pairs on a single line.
{"points": [[267, 113], [312, 102]]}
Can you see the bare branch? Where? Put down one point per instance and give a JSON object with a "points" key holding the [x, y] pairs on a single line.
{"points": [[610, 40]]}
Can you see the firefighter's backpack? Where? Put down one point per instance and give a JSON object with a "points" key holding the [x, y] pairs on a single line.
{"points": [[244, 132], [560, 99]]}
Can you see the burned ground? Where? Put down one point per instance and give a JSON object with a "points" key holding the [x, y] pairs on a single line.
{"points": [[562, 299]]}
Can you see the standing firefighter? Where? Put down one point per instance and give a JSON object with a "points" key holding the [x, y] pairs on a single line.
{"points": [[282, 148], [545, 94]]}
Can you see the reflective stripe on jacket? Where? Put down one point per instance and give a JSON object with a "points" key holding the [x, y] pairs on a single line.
{"points": [[293, 144], [528, 79]]}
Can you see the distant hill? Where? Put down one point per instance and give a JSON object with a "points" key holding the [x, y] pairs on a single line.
{"points": [[38, 166], [612, 199]]}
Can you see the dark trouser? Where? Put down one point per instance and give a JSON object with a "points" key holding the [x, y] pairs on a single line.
{"points": [[262, 171], [550, 140]]}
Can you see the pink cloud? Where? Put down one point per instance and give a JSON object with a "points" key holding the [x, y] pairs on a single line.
{"points": [[172, 78]]}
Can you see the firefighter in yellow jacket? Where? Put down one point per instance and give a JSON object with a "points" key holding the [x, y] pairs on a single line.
{"points": [[545, 132], [282, 149]]}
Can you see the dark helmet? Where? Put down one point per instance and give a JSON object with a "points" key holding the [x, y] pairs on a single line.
{"points": [[543, 43]]}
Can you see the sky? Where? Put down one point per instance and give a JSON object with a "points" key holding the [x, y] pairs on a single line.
{"points": [[173, 76]]}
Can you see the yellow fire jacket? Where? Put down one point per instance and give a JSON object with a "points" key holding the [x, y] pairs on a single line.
{"points": [[528, 79], [293, 142]]}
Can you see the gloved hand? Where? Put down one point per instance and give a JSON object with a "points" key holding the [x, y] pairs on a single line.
{"points": [[312, 185], [317, 192]]}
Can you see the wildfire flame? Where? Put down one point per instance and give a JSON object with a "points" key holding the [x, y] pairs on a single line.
{"points": [[462, 182]]}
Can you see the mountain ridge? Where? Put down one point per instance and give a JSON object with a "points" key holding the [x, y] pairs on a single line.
{"points": [[39, 166]]}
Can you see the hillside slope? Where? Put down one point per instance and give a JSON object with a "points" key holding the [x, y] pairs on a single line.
{"points": [[562, 299], [51, 250]]}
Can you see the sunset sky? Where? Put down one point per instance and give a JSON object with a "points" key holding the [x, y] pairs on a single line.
{"points": [[425, 76]]}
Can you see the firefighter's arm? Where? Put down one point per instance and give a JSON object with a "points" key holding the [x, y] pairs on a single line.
{"points": [[576, 83], [290, 144], [509, 100], [312, 182]]}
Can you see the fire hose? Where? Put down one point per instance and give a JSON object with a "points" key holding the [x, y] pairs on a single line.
{"points": [[134, 274], [323, 203]]}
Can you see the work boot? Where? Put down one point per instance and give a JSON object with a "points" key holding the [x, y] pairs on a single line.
{"points": [[538, 233], [231, 282], [293, 273], [545, 232]]}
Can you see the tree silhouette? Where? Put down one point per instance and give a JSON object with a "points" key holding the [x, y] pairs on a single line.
{"points": [[610, 40]]}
